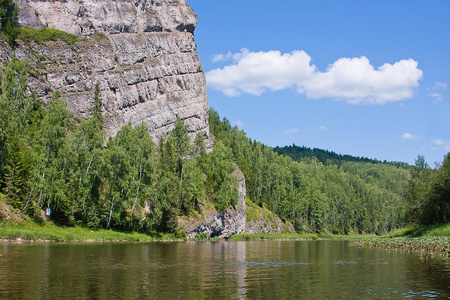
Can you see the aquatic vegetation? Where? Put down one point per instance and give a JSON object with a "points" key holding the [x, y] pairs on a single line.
{"points": [[426, 245]]}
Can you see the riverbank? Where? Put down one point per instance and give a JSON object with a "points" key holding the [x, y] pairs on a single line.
{"points": [[27, 231], [294, 237], [431, 240]]}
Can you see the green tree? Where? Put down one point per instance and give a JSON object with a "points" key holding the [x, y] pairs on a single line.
{"points": [[222, 178], [437, 209], [14, 104], [17, 169], [181, 144], [419, 189], [84, 154], [50, 172], [9, 20], [96, 109]]}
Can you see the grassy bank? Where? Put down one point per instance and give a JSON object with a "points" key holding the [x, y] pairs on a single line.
{"points": [[30, 231], [427, 240], [432, 230]]}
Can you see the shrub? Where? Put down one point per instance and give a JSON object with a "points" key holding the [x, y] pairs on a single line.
{"points": [[43, 35]]}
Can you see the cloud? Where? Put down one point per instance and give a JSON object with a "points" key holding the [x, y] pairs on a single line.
{"points": [[438, 91], [322, 128], [222, 57], [440, 144], [256, 72], [291, 131], [408, 136], [238, 123], [353, 80]]}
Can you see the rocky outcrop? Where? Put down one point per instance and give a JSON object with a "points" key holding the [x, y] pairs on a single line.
{"points": [[212, 223], [248, 219], [272, 225], [140, 53]]}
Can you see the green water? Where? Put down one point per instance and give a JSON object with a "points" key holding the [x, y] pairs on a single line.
{"points": [[218, 270]]}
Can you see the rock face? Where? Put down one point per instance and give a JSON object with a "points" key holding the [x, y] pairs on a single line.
{"points": [[140, 53], [268, 226], [233, 221]]}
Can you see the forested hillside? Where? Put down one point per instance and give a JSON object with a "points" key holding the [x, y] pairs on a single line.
{"points": [[355, 197], [48, 159], [328, 157], [346, 194]]}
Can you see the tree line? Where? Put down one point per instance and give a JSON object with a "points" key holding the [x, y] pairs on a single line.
{"points": [[328, 157]]}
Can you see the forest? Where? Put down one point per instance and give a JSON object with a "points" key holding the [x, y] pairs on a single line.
{"points": [[328, 157], [49, 159]]}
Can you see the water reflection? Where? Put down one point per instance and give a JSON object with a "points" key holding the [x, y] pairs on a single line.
{"points": [[207, 270]]}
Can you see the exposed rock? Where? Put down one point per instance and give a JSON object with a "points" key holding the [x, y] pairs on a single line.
{"points": [[212, 223], [268, 226], [260, 220], [141, 53]]}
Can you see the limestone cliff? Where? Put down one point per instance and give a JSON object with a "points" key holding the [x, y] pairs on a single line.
{"points": [[141, 53]]}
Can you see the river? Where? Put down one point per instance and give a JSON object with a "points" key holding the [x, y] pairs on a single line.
{"points": [[218, 270]]}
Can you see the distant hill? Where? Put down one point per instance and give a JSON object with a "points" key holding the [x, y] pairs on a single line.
{"points": [[327, 157]]}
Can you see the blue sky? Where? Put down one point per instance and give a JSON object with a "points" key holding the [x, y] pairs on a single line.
{"points": [[365, 78]]}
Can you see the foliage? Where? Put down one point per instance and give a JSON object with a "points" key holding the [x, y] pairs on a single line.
{"points": [[327, 157], [9, 20], [50, 160], [97, 106], [41, 36], [352, 197], [27, 230], [429, 230], [426, 246], [429, 193]]}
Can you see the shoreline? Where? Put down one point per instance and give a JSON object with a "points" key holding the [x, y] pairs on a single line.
{"points": [[434, 246], [42, 241], [426, 241], [424, 246]]}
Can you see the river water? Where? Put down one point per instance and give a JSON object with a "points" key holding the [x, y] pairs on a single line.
{"points": [[218, 270]]}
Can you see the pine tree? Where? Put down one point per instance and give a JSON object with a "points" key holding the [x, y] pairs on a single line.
{"points": [[9, 20], [97, 106]]}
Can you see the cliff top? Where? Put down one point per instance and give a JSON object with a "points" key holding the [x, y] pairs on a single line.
{"points": [[85, 17]]}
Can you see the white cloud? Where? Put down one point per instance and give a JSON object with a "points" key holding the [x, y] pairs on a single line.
{"points": [[291, 131], [238, 123], [256, 72], [441, 85], [438, 91], [222, 57], [438, 97], [440, 144], [353, 80], [322, 128], [408, 136]]}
